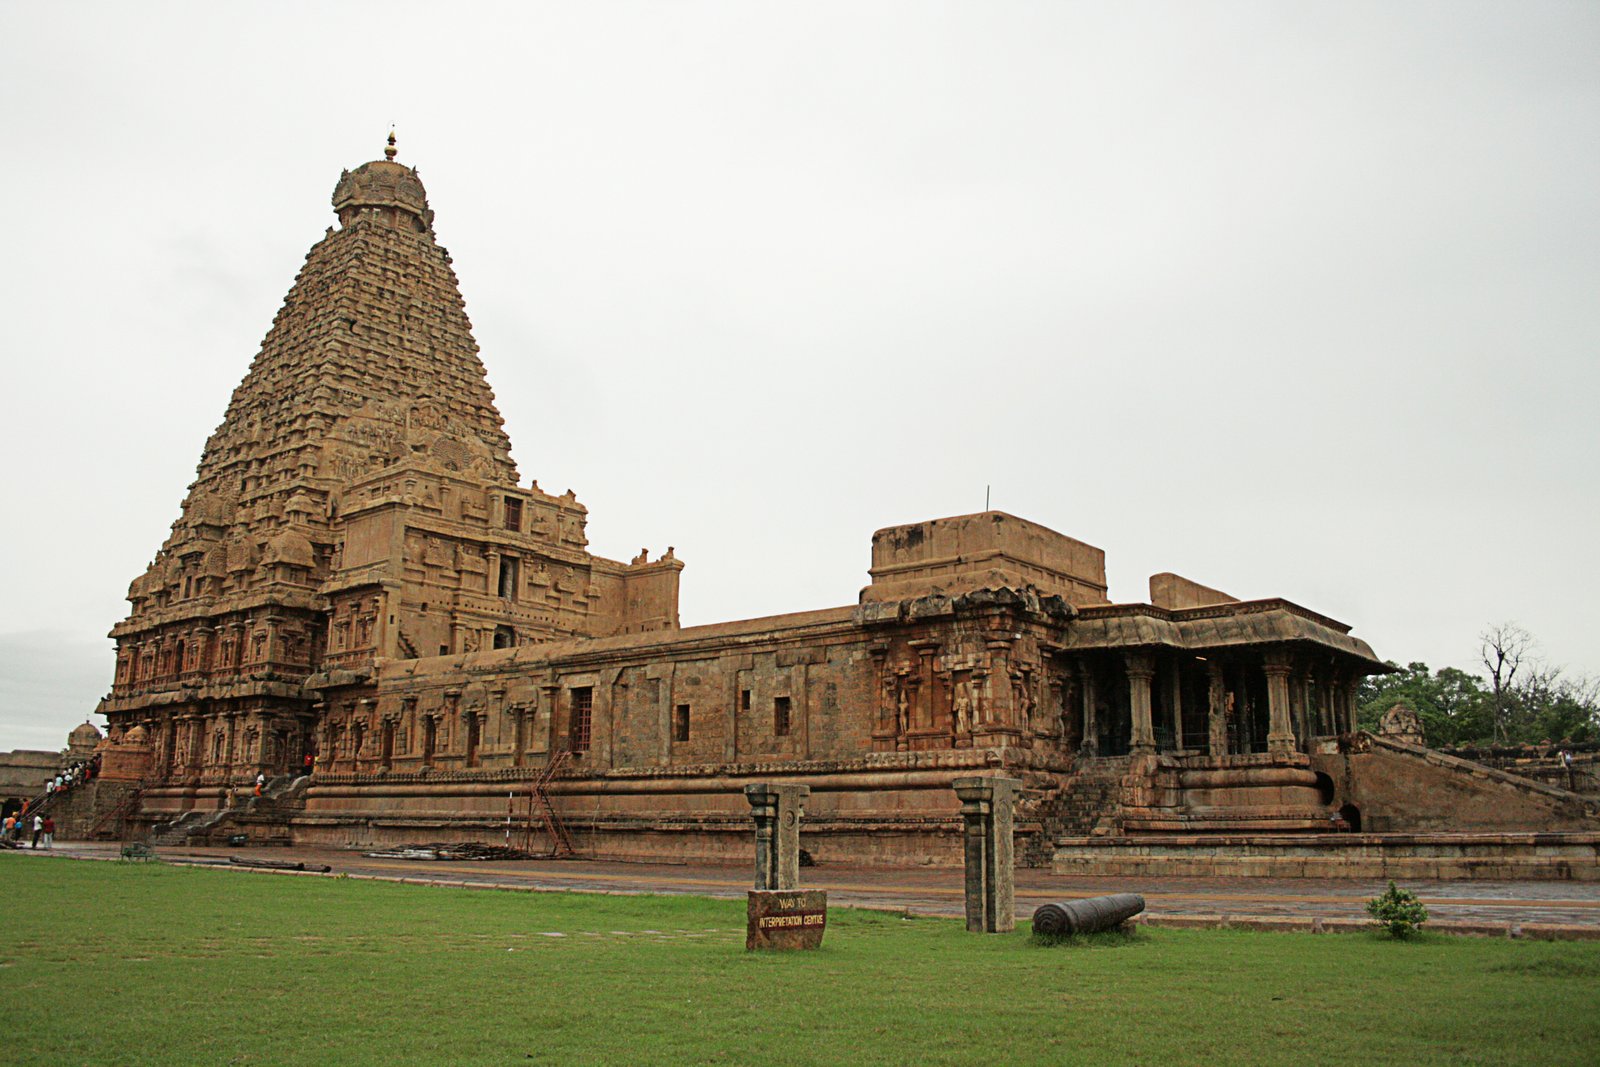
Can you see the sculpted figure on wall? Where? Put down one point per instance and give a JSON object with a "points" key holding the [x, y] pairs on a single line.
{"points": [[1023, 697], [962, 708]]}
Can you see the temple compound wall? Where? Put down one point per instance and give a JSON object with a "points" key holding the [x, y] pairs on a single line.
{"points": [[363, 602]]}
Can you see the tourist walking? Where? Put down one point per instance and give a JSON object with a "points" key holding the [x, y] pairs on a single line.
{"points": [[261, 780], [38, 829], [49, 832]]}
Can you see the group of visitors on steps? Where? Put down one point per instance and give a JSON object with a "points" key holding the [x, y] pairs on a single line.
{"points": [[75, 775]]}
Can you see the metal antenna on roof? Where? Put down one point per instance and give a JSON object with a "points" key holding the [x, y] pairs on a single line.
{"points": [[986, 498]]}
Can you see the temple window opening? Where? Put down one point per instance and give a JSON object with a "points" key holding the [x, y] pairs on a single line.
{"points": [[582, 710], [680, 723]]}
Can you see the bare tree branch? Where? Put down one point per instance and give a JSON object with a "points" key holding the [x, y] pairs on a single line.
{"points": [[1503, 649]]}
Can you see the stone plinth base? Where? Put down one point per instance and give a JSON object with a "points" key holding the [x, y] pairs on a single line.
{"points": [[1508, 856], [1240, 794], [785, 918], [905, 841]]}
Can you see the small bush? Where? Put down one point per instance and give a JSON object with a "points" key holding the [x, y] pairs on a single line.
{"points": [[1398, 911]]}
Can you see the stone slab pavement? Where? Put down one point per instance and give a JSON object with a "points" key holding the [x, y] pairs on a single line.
{"points": [[936, 891]]}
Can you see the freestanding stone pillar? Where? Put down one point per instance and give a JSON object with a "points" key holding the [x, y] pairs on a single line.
{"points": [[987, 806], [779, 914], [778, 810]]}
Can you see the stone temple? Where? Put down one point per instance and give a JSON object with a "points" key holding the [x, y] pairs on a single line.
{"points": [[360, 581]]}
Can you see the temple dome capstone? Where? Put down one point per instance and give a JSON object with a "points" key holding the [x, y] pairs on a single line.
{"points": [[386, 186], [85, 733]]}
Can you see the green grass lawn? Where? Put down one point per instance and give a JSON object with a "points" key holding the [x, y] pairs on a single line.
{"points": [[115, 963]]}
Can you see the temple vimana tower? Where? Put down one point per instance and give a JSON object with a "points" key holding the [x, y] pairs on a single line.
{"points": [[360, 583]]}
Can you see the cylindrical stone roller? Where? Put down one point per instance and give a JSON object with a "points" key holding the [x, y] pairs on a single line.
{"points": [[1088, 916]]}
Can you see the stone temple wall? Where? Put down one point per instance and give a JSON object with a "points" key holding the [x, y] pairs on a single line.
{"points": [[662, 732]]}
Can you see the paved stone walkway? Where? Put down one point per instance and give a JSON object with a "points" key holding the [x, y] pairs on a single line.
{"points": [[937, 891]]}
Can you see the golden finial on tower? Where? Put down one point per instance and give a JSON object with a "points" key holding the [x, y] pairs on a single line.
{"points": [[389, 152]]}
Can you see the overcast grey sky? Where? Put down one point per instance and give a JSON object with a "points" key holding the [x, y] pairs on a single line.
{"points": [[1293, 299]]}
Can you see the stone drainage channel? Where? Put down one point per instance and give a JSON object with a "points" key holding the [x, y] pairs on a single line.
{"points": [[1566, 910]]}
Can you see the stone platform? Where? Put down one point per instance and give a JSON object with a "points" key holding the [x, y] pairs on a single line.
{"points": [[1502, 856]]}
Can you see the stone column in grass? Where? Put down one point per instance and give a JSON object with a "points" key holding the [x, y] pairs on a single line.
{"points": [[779, 914], [987, 806], [777, 810]]}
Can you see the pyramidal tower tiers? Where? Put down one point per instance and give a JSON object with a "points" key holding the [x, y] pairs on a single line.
{"points": [[358, 503]]}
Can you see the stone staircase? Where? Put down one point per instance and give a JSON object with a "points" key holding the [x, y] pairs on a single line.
{"points": [[189, 824], [280, 797], [1088, 803], [1091, 801]]}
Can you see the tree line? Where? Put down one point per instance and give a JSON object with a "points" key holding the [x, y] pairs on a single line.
{"points": [[1519, 699]]}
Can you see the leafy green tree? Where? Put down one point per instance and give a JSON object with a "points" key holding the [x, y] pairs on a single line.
{"points": [[1520, 700], [1550, 707], [1453, 705]]}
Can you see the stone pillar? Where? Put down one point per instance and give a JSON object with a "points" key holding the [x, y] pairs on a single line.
{"points": [[925, 694], [552, 703], [193, 742], [737, 686], [1001, 711], [1346, 710], [1091, 723], [1174, 674], [1217, 715], [491, 581], [204, 638], [272, 653], [778, 913], [987, 806], [1280, 735], [777, 810], [231, 754], [1141, 669], [367, 709]]}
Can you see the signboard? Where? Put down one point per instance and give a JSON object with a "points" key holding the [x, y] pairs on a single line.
{"points": [[786, 918]]}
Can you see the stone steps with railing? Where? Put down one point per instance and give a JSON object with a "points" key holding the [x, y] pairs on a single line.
{"points": [[189, 824]]}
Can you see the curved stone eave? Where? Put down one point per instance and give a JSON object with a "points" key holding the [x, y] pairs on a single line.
{"points": [[1260, 627]]}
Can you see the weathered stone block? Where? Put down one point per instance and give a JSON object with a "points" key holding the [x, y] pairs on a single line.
{"points": [[785, 918]]}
